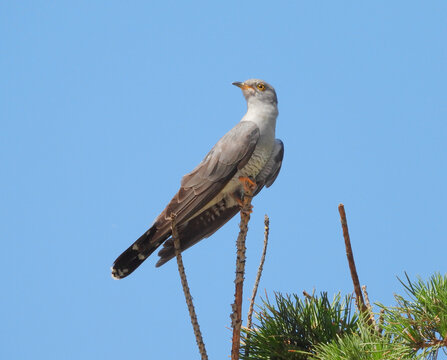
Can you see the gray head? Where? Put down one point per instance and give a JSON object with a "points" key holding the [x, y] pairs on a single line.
{"points": [[256, 90]]}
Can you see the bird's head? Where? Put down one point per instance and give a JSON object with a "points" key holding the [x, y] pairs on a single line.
{"points": [[257, 90]]}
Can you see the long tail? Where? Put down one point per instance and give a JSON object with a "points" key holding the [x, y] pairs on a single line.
{"points": [[134, 256]]}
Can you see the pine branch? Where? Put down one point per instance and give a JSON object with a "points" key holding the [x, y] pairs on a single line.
{"points": [[289, 327], [420, 320]]}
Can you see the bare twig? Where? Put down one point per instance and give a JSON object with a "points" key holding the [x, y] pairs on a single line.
{"points": [[188, 297], [236, 315], [371, 320], [258, 278], [258, 275], [307, 296], [355, 279]]}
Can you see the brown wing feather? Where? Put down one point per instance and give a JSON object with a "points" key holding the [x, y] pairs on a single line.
{"points": [[197, 189], [198, 228], [202, 184], [208, 222]]}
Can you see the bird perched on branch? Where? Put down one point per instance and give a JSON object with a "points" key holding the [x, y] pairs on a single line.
{"points": [[212, 193]]}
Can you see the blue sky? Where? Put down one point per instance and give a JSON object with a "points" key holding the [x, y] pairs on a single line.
{"points": [[104, 105]]}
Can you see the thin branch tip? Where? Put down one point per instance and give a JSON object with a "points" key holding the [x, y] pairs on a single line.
{"points": [[260, 269], [349, 254], [186, 291]]}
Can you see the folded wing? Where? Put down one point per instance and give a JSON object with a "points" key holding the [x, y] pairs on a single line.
{"points": [[197, 189]]}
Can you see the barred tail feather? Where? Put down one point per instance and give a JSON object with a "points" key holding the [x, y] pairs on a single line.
{"points": [[134, 256]]}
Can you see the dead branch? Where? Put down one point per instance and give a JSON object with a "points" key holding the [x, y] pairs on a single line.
{"points": [[259, 274], [258, 278], [236, 315], [355, 279], [188, 297]]}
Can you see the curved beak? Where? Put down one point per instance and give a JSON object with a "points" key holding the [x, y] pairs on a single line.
{"points": [[242, 85]]}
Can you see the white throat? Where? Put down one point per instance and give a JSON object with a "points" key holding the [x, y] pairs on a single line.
{"points": [[262, 114]]}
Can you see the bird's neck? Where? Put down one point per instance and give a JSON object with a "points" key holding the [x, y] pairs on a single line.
{"points": [[262, 114]]}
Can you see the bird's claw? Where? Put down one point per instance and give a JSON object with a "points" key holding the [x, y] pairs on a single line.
{"points": [[248, 209], [242, 204], [248, 183]]}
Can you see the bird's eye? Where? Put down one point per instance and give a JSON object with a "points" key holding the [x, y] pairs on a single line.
{"points": [[261, 87]]}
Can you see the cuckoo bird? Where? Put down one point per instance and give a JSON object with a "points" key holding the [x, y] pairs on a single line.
{"points": [[211, 194]]}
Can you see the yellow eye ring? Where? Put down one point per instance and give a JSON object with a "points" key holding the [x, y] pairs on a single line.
{"points": [[261, 86]]}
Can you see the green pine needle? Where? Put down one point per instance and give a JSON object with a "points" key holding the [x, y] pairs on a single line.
{"points": [[291, 327], [421, 320], [320, 329]]}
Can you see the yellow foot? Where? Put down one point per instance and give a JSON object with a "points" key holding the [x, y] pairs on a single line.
{"points": [[238, 200], [248, 183], [249, 210], [241, 203]]}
